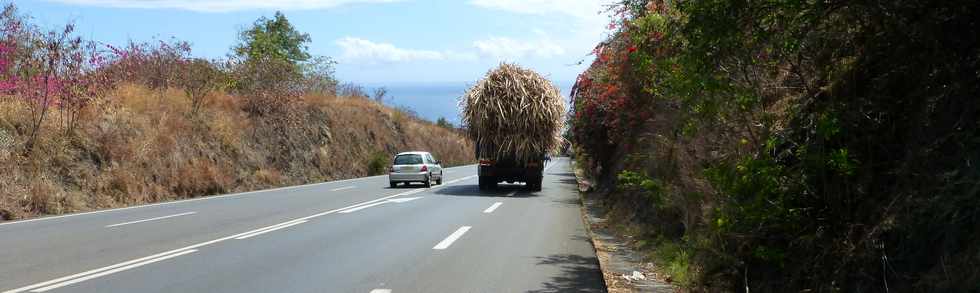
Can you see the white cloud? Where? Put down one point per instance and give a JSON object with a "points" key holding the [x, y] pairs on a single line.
{"points": [[220, 5], [578, 24], [511, 49], [361, 50], [587, 11]]}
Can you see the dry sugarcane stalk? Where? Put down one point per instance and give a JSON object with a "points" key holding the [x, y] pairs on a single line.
{"points": [[515, 112]]}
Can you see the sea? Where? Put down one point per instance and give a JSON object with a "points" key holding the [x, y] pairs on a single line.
{"points": [[434, 100]]}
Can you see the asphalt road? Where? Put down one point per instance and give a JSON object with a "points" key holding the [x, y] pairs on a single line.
{"points": [[344, 236]]}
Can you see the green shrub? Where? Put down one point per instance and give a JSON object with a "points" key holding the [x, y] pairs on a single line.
{"points": [[377, 163]]}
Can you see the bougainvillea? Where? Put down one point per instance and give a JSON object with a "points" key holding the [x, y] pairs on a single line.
{"points": [[615, 95]]}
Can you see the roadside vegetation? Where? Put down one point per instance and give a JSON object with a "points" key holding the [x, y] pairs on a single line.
{"points": [[84, 125], [790, 146]]}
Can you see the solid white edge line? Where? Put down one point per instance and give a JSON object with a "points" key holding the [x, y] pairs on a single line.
{"points": [[445, 243], [381, 291], [492, 207], [269, 230], [206, 243], [551, 165], [113, 271], [151, 219], [362, 207], [344, 188], [206, 197]]}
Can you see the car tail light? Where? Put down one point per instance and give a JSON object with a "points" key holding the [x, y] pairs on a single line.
{"points": [[424, 168], [486, 162]]}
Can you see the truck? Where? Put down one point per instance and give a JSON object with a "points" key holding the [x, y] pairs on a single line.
{"points": [[492, 171], [514, 116]]}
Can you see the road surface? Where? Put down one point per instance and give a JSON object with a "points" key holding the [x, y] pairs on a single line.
{"points": [[344, 236]]}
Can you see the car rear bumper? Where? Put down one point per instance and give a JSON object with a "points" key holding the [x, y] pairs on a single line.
{"points": [[407, 177]]}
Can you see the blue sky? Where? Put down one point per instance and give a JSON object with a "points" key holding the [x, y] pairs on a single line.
{"points": [[374, 41]]}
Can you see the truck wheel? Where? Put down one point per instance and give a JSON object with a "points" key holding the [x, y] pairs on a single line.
{"points": [[534, 184], [483, 183], [487, 183]]}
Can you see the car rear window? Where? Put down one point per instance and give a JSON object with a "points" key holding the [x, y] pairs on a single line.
{"points": [[408, 160]]}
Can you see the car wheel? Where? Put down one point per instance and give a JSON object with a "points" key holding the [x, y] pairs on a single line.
{"points": [[428, 182]]}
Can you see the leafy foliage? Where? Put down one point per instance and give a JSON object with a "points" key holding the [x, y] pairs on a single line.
{"points": [[274, 39], [837, 139]]}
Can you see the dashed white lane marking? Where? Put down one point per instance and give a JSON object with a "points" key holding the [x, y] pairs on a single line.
{"points": [[99, 271], [452, 238], [492, 207], [282, 226], [381, 291], [113, 271], [343, 188], [151, 219]]}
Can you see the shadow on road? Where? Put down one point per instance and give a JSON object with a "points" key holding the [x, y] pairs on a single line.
{"points": [[579, 274], [502, 190]]}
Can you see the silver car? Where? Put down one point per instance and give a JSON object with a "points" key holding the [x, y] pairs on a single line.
{"points": [[410, 167]]}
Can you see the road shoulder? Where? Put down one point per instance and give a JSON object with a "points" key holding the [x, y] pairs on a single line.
{"points": [[623, 268]]}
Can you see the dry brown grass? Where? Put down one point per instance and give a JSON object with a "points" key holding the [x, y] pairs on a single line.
{"points": [[141, 146]]}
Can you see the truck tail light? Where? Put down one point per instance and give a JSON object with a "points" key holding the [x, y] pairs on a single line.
{"points": [[424, 169]]}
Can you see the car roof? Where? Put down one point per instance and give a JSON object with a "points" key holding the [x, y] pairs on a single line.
{"points": [[412, 153]]}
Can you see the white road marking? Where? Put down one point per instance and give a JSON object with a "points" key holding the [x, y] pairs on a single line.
{"points": [[151, 219], [206, 243], [381, 291], [394, 200], [270, 230], [344, 188], [199, 198], [492, 207], [551, 165], [362, 207], [404, 199], [512, 193], [452, 238], [113, 271]]}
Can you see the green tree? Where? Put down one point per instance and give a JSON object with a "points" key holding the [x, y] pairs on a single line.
{"points": [[273, 38], [442, 122]]}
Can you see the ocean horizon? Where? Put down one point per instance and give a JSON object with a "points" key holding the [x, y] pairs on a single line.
{"points": [[434, 100]]}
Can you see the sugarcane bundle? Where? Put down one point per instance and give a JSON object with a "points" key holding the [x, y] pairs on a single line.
{"points": [[513, 113]]}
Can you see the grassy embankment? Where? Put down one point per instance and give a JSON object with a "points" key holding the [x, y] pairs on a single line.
{"points": [[141, 147]]}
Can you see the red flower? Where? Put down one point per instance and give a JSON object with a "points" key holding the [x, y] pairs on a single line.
{"points": [[632, 49]]}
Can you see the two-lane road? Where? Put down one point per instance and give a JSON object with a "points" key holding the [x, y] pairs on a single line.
{"points": [[344, 236]]}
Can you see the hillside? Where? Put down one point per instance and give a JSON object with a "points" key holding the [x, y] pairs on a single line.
{"points": [[87, 125], [140, 147], [790, 146]]}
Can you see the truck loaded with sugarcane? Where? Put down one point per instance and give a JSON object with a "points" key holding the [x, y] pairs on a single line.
{"points": [[513, 116]]}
